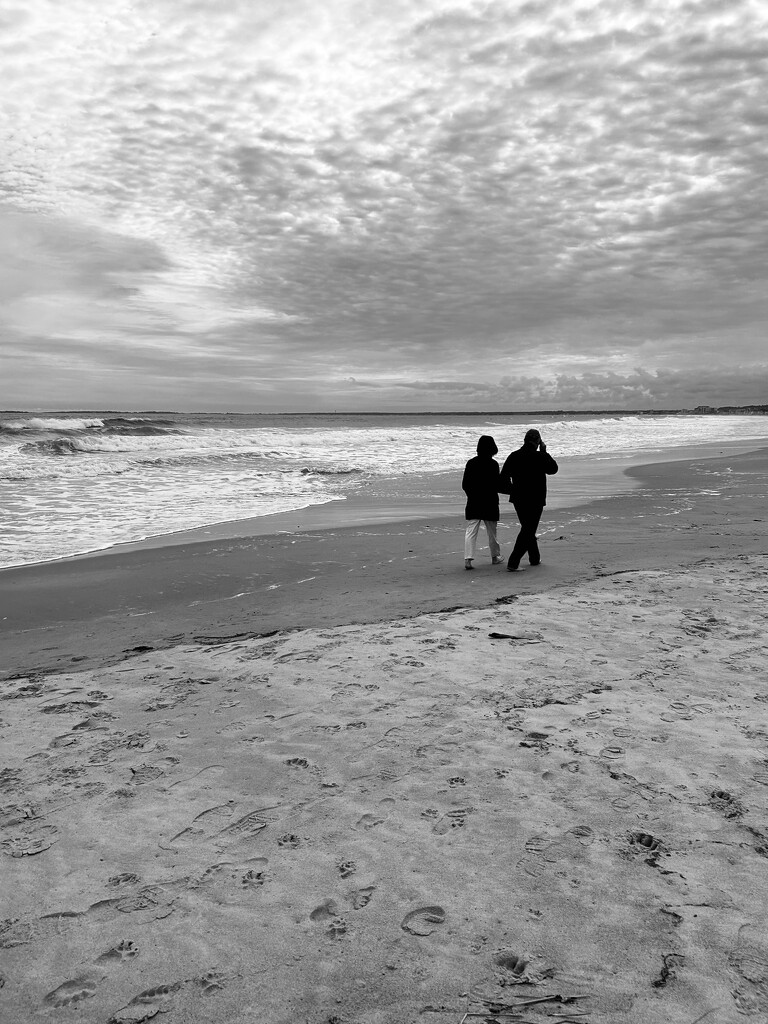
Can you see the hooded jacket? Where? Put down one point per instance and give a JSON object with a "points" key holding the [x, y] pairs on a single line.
{"points": [[480, 482]]}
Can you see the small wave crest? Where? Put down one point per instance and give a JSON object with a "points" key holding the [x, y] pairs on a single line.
{"points": [[141, 425], [135, 421], [54, 446], [39, 423], [317, 471], [116, 426], [138, 429]]}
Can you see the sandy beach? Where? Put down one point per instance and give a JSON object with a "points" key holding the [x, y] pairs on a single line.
{"points": [[324, 775]]}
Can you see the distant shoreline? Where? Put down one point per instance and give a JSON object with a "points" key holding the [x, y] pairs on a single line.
{"points": [[395, 563], [410, 498]]}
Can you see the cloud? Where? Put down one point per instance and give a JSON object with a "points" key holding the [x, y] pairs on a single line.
{"points": [[306, 190]]}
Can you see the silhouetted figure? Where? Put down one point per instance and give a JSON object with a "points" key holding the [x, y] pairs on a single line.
{"points": [[524, 478], [481, 485]]}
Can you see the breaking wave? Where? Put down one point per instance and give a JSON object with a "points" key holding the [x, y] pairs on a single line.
{"points": [[128, 425]]}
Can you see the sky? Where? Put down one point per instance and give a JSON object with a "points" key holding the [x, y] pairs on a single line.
{"points": [[266, 205]]}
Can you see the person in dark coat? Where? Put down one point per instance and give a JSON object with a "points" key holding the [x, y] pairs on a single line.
{"points": [[524, 478], [481, 486]]}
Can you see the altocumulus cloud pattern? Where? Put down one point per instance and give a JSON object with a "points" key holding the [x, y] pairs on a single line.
{"points": [[403, 205]]}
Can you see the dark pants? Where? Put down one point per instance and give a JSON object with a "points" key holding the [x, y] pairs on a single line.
{"points": [[529, 516]]}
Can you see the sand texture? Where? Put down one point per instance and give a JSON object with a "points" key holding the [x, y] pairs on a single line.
{"points": [[553, 808]]}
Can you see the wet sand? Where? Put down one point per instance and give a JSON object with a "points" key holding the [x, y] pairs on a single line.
{"points": [[329, 776]]}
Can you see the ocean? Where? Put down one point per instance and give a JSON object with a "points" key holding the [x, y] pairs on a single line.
{"points": [[72, 483]]}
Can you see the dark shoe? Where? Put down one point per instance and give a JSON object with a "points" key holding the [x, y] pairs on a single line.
{"points": [[468, 563], [513, 566], [536, 563]]}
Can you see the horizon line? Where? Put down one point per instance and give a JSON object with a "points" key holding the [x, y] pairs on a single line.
{"points": [[700, 409]]}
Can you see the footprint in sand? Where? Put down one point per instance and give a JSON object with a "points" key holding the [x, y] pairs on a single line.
{"points": [[512, 964], [211, 982], [646, 842], [30, 688], [337, 928], [253, 879], [346, 868], [14, 932], [71, 707], [539, 850], [244, 828], [232, 727], [72, 992], [144, 773], [725, 802], [423, 921], [582, 834], [536, 740], [324, 912], [66, 740], [749, 960], [361, 897], [147, 1004], [212, 874], [669, 962], [152, 903], [612, 753], [458, 780], [213, 817], [453, 819], [289, 841], [61, 922], [254, 873], [126, 878], [297, 762], [125, 950], [537, 844], [368, 821], [328, 913], [30, 842]]}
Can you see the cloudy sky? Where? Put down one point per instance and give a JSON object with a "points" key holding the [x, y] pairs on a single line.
{"points": [[383, 204]]}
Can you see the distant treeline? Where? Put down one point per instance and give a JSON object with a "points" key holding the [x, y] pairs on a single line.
{"points": [[730, 410]]}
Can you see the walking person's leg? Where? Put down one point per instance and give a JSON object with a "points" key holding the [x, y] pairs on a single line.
{"points": [[533, 546], [470, 541], [521, 542], [529, 517], [493, 544]]}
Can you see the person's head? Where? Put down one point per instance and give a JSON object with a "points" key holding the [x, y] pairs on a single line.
{"points": [[486, 446], [533, 437]]}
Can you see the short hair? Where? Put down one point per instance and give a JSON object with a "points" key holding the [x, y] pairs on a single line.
{"points": [[532, 435]]}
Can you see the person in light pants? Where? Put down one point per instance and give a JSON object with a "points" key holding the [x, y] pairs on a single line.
{"points": [[480, 484]]}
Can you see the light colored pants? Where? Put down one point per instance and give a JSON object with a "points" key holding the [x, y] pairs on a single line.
{"points": [[470, 537]]}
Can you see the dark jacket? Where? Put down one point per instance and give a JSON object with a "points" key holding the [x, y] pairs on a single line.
{"points": [[480, 483], [524, 476]]}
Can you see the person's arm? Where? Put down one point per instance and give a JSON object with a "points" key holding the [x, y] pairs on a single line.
{"points": [[505, 482], [550, 466], [467, 479]]}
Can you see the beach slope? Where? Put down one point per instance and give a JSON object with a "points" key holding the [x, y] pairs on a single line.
{"points": [[549, 803]]}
